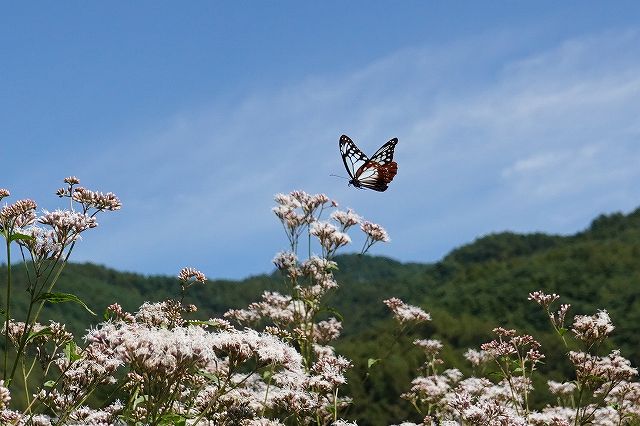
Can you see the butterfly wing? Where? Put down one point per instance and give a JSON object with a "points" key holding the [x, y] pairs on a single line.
{"points": [[385, 154], [374, 173], [352, 157], [380, 169]]}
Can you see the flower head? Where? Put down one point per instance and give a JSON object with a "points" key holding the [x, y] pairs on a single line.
{"points": [[187, 274], [543, 299], [374, 231], [18, 215], [346, 219], [405, 313], [72, 180], [5, 396], [592, 328], [97, 200]]}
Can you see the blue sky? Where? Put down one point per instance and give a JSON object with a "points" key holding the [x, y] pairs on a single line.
{"points": [[517, 116]]}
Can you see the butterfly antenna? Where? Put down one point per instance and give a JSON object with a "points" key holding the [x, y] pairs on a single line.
{"points": [[341, 177]]}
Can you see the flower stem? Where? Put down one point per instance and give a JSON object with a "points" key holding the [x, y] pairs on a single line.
{"points": [[8, 309]]}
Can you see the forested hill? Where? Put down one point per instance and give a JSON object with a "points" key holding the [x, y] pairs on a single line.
{"points": [[474, 288]]}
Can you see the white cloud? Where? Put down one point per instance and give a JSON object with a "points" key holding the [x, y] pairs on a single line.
{"points": [[489, 140]]}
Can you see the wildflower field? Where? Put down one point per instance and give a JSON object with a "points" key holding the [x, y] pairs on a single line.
{"points": [[305, 352]]}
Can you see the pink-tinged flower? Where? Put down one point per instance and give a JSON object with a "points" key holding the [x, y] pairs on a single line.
{"points": [[405, 313], [554, 416], [427, 389], [72, 180], [330, 238], [220, 324], [67, 225], [187, 274], [116, 310], [525, 340], [617, 368], [326, 331], [558, 321], [543, 299], [341, 422], [592, 328], [346, 219], [299, 200], [42, 244], [323, 350], [54, 332], [285, 260], [504, 332], [317, 200], [430, 347], [265, 348], [89, 416], [476, 358], [516, 385], [329, 372], [612, 368], [496, 348], [261, 421], [283, 310], [243, 316], [478, 411], [474, 386], [4, 193], [626, 397], [534, 355], [11, 417], [97, 200], [374, 231], [286, 200], [561, 389], [161, 314], [18, 215], [318, 267], [5, 395], [287, 212], [453, 374]]}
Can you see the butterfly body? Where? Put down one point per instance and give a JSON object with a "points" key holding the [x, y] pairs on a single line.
{"points": [[373, 173]]}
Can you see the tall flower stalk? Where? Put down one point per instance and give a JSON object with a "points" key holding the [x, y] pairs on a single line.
{"points": [[45, 244], [302, 317]]}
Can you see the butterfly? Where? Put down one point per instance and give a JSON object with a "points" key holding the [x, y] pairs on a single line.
{"points": [[374, 173]]}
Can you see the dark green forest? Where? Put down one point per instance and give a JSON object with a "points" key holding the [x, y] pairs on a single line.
{"points": [[473, 289]]}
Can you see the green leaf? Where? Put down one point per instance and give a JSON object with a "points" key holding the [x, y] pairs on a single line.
{"points": [[172, 419], [49, 383], [139, 400], [562, 331], [267, 375], [213, 378], [372, 361], [332, 266], [18, 236], [70, 352], [63, 298], [497, 374], [44, 332], [335, 312]]}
